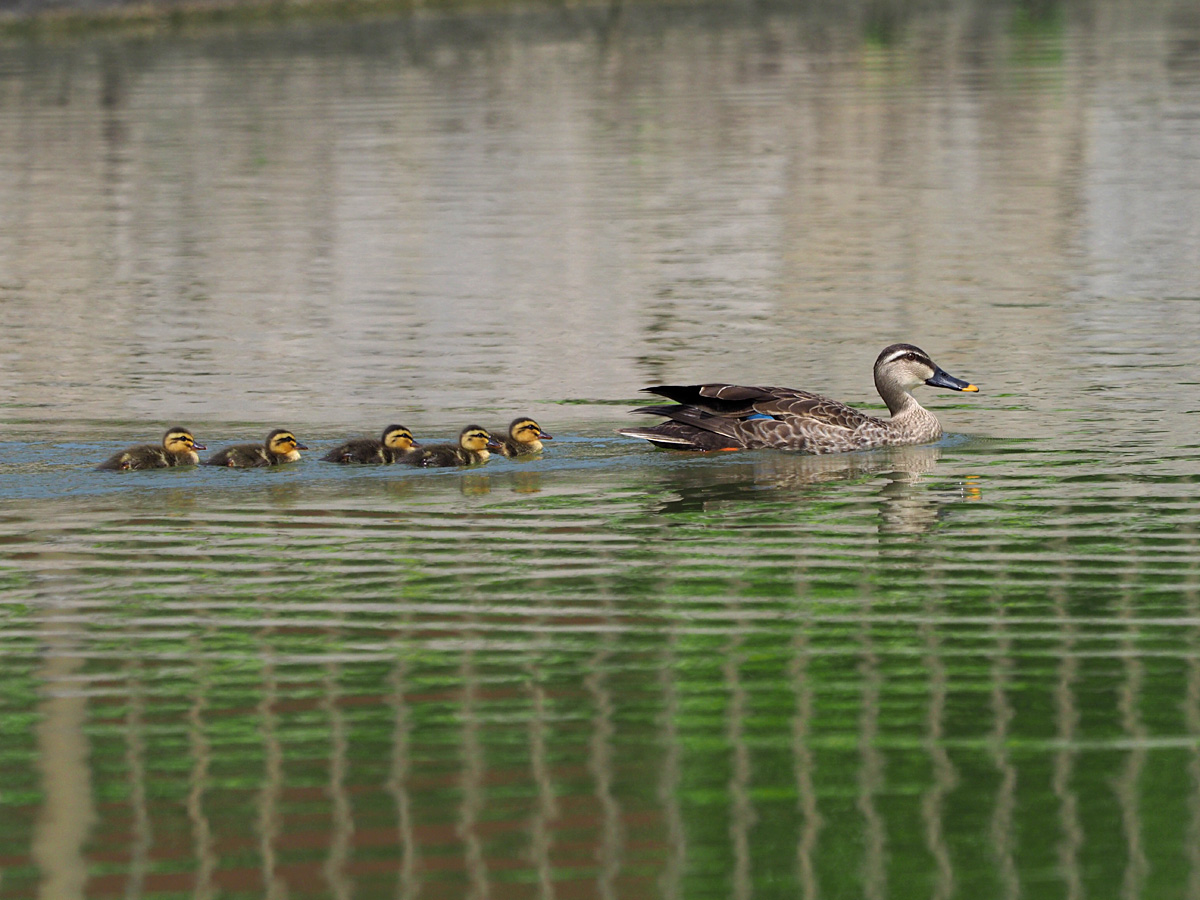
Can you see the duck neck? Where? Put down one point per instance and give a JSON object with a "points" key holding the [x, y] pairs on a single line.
{"points": [[899, 401]]}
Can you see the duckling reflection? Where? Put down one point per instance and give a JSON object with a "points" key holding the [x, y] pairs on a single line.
{"points": [[475, 485], [908, 506], [527, 482], [280, 447], [178, 448]]}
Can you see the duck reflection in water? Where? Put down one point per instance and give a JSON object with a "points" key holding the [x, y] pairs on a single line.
{"points": [[893, 478]]}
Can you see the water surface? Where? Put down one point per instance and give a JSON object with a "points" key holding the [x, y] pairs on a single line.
{"points": [[970, 669]]}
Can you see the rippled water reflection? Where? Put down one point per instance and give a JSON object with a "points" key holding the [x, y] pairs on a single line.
{"points": [[969, 669]]}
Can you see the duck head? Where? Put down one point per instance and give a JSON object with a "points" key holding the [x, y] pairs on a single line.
{"points": [[477, 439], [282, 442], [397, 437], [180, 440], [526, 431]]}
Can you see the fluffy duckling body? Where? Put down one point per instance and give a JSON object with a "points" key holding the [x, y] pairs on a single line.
{"points": [[178, 448], [396, 443], [525, 436], [472, 447], [280, 447]]}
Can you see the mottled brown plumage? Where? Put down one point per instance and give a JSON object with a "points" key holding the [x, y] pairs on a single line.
{"points": [[396, 443], [280, 447], [178, 448], [737, 417], [472, 447], [525, 436]]}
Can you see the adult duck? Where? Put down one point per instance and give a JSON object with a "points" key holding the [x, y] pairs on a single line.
{"points": [[737, 417]]}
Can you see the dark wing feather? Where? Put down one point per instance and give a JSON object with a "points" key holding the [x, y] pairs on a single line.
{"points": [[732, 415], [675, 435], [722, 399]]}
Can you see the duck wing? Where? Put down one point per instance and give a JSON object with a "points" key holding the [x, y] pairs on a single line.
{"points": [[747, 417]]}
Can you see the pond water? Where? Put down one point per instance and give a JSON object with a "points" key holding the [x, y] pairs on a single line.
{"points": [[968, 669]]}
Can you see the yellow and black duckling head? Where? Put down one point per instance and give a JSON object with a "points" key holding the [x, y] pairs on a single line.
{"points": [[180, 443], [178, 448], [282, 445], [399, 439], [524, 436], [477, 440]]}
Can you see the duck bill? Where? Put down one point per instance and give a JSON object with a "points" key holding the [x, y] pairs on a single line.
{"points": [[542, 436], [945, 380], [494, 444], [300, 446], [196, 446]]}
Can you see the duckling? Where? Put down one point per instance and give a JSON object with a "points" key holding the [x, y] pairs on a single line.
{"points": [[472, 447], [178, 449], [280, 446], [397, 442], [738, 417], [525, 436]]}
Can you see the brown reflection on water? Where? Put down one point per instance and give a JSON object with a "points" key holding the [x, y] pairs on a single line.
{"points": [[871, 769], [610, 840], [271, 791], [670, 774], [135, 764], [1128, 701], [742, 818], [399, 778], [200, 751], [471, 782], [1191, 714], [546, 809], [66, 815], [945, 777], [341, 836], [804, 766], [1066, 726], [1001, 827]]}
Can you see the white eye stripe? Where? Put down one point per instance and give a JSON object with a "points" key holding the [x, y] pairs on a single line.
{"points": [[901, 354]]}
